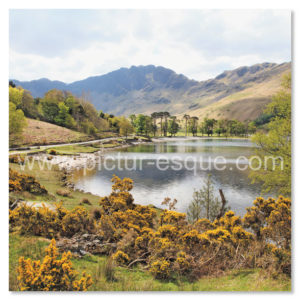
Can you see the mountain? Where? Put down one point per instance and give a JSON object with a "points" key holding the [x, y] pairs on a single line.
{"points": [[240, 93]]}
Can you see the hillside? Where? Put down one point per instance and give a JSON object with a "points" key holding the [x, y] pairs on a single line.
{"points": [[241, 93], [38, 132]]}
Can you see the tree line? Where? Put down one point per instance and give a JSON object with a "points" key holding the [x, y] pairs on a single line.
{"points": [[163, 123]]}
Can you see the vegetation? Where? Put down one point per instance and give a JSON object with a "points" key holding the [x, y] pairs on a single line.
{"points": [[155, 249], [53, 180], [42, 133], [17, 120], [166, 244], [205, 204], [107, 277], [276, 144], [52, 274], [23, 182], [63, 109], [147, 125]]}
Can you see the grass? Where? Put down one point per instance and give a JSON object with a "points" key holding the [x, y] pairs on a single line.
{"points": [[74, 149], [137, 280], [42, 133], [29, 247], [86, 148], [125, 279], [52, 180]]}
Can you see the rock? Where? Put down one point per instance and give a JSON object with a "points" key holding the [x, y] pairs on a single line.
{"points": [[83, 244], [85, 236]]}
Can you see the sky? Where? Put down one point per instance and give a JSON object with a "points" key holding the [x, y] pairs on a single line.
{"points": [[70, 45]]}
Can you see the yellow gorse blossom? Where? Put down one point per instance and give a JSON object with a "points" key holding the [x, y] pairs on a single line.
{"points": [[52, 274]]}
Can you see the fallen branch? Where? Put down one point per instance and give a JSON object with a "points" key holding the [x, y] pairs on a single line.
{"points": [[136, 261]]}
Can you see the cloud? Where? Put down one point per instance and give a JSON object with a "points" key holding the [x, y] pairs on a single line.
{"points": [[71, 45]]}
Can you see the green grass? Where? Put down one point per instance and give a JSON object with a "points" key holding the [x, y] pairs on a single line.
{"points": [[29, 247], [52, 181], [87, 148], [74, 149], [138, 280]]}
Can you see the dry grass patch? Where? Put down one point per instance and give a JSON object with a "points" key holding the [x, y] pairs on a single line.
{"points": [[43, 133]]}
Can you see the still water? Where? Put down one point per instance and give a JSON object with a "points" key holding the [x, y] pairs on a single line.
{"points": [[175, 168]]}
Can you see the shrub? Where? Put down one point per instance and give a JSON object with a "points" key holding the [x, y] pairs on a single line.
{"points": [[23, 182], [52, 274], [271, 219], [64, 193], [52, 152], [39, 221], [45, 222], [183, 263], [121, 258], [160, 269], [96, 214], [85, 201], [76, 220], [283, 260], [16, 159], [172, 217]]}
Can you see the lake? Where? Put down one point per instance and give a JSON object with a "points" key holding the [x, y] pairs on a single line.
{"points": [[175, 167]]}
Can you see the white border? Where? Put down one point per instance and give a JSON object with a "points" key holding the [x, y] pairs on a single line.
{"points": [[154, 4]]}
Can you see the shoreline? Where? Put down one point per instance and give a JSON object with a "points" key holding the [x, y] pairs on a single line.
{"points": [[78, 160]]}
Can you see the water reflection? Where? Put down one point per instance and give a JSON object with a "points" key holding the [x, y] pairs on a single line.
{"points": [[152, 185]]}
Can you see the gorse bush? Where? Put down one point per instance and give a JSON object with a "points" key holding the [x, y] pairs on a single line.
{"points": [[21, 182], [168, 245], [120, 258], [270, 219], [43, 221], [16, 159], [52, 274]]}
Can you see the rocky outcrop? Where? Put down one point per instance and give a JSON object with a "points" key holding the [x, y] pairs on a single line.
{"points": [[85, 244]]}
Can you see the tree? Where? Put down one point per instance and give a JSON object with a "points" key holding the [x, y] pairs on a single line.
{"points": [[63, 112], [166, 116], [209, 126], [17, 122], [148, 125], [251, 128], [15, 95], [55, 95], [202, 128], [193, 125], [132, 119], [125, 127], [50, 110], [204, 204], [173, 126], [154, 117], [276, 175], [140, 123], [220, 128], [186, 118], [161, 115], [11, 83], [28, 105]]}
